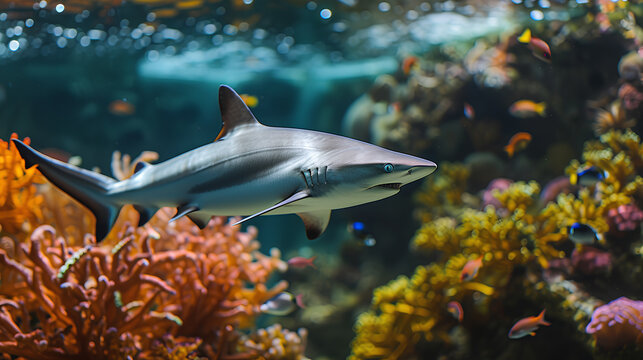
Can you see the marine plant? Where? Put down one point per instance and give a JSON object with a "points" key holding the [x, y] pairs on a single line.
{"points": [[164, 290]]}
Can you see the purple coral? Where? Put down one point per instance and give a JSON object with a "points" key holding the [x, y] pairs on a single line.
{"points": [[590, 260], [559, 185], [617, 323], [625, 217], [499, 184]]}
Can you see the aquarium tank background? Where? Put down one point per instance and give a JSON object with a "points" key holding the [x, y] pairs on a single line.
{"points": [[524, 243]]}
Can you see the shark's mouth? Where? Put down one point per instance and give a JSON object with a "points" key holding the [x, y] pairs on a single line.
{"points": [[393, 186]]}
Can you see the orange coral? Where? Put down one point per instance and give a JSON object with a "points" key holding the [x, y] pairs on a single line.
{"points": [[94, 300], [165, 290], [19, 203]]}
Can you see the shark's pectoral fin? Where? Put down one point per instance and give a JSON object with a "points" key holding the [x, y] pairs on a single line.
{"points": [[315, 222], [294, 197], [183, 210], [200, 219], [144, 214]]}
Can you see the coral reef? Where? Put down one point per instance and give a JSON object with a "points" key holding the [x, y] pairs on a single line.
{"points": [[165, 290], [20, 205], [518, 238], [443, 193], [618, 323], [626, 217], [274, 342]]}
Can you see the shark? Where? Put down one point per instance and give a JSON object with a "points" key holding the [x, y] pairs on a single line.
{"points": [[249, 170]]}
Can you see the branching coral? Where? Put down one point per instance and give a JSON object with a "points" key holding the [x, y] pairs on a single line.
{"points": [[274, 342], [20, 205], [165, 290], [442, 193], [620, 155], [96, 301], [408, 310]]}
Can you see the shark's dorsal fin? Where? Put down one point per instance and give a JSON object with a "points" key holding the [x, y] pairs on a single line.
{"points": [[294, 197], [315, 222], [234, 112]]}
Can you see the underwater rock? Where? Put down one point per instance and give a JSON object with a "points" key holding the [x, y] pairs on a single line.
{"points": [[483, 168], [618, 323], [358, 118]]}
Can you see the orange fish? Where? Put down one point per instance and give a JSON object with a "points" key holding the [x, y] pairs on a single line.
{"points": [[302, 262], [250, 100], [409, 63], [527, 326], [538, 47], [517, 142], [121, 107], [469, 113], [470, 269], [454, 308], [527, 108]]}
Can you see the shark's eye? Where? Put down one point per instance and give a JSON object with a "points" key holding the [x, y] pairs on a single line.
{"points": [[388, 168]]}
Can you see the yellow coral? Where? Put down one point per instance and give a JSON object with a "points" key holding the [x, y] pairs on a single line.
{"points": [[442, 193], [20, 205], [408, 310], [274, 343]]}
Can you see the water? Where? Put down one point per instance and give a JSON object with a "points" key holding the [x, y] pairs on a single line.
{"points": [[440, 80]]}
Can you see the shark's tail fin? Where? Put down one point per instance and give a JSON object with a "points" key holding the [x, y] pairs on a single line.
{"points": [[88, 187]]}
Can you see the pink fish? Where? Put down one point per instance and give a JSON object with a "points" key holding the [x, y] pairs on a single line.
{"points": [[302, 262], [527, 326], [470, 269], [299, 300], [454, 308]]}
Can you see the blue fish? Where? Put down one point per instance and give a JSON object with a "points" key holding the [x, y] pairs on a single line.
{"points": [[589, 176], [584, 234], [358, 230]]}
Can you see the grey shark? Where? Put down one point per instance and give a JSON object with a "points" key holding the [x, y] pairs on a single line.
{"points": [[249, 170]]}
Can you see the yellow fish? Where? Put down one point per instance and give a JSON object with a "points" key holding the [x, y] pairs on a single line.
{"points": [[250, 100]]}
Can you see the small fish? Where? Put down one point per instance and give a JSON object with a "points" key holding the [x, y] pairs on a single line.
{"points": [[410, 63], [121, 107], [302, 262], [527, 108], [527, 326], [454, 308], [517, 142], [588, 177], [538, 47], [358, 230], [250, 100], [299, 301], [281, 304], [583, 234], [470, 269], [469, 113]]}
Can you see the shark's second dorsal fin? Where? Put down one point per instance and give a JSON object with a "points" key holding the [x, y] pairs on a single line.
{"points": [[234, 112]]}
